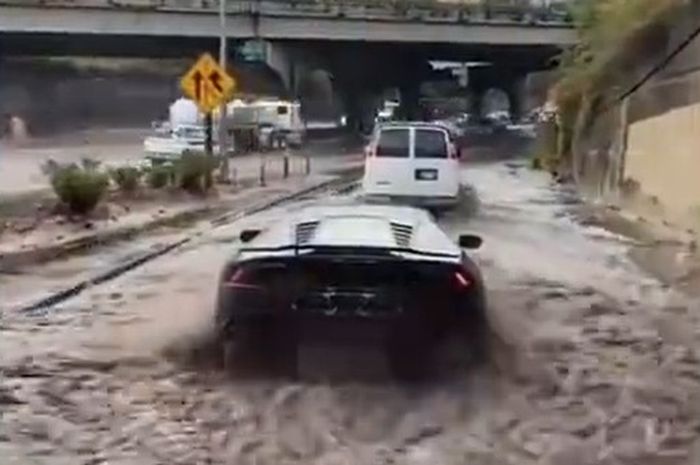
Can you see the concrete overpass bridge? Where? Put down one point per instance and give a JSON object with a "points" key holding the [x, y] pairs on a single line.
{"points": [[56, 21], [364, 46]]}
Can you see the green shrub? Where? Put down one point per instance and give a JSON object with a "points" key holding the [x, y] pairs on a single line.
{"points": [[195, 172], [80, 188], [160, 176], [127, 178], [90, 164]]}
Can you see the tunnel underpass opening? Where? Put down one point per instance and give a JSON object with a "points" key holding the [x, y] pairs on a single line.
{"points": [[494, 101], [318, 97]]}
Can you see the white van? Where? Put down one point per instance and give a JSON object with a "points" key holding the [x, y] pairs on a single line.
{"points": [[412, 162]]}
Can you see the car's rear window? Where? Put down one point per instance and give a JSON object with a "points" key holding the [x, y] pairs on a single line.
{"points": [[393, 143], [430, 144]]}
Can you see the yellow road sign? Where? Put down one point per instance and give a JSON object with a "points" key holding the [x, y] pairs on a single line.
{"points": [[208, 84]]}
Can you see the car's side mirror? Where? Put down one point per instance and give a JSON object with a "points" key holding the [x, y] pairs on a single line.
{"points": [[470, 241], [248, 235]]}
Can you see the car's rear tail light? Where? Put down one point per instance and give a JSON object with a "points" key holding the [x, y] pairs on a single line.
{"points": [[462, 280], [241, 279]]}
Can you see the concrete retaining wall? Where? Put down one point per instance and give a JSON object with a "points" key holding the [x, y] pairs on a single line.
{"points": [[60, 97], [651, 139], [52, 98], [663, 151]]}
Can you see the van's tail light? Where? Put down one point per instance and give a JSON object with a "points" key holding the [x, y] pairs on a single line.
{"points": [[240, 278], [462, 280]]}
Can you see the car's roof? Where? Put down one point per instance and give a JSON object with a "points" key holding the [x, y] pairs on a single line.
{"points": [[359, 225]]}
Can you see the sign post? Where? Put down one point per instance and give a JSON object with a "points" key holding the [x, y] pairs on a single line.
{"points": [[209, 86], [223, 51], [208, 135]]}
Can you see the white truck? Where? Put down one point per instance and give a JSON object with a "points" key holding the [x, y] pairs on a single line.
{"points": [[270, 116], [387, 112], [272, 119]]}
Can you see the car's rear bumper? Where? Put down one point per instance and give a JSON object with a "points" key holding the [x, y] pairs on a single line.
{"points": [[231, 313]]}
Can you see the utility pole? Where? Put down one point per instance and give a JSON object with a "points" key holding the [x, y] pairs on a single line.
{"points": [[223, 50]]}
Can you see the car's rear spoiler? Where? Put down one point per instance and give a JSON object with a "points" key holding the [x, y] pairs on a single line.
{"points": [[348, 250]]}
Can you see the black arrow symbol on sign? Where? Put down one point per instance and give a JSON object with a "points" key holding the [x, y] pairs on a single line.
{"points": [[215, 78], [197, 77]]}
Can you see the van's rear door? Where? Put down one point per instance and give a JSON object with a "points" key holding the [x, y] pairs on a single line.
{"points": [[435, 169], [388, 168]]}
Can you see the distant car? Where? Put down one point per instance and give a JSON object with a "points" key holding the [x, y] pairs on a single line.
{"points": [[526, 130], [414, 163], [463, 119], [452, 126], [170, 144], [499, 120], [358, 273]]}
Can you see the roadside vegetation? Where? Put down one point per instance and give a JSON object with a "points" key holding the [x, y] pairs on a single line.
{"points": [[127, 178], [80, 187], [160, 176], [613, 36], [195, 172]]}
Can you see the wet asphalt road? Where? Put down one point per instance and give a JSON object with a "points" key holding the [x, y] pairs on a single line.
{"points": [[594, 362]]}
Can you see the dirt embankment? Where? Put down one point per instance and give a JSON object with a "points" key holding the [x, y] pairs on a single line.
{"points": [[635, 145]]}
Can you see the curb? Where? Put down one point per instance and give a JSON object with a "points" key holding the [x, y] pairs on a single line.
{"points": [[21, 258], [11, 261], [112, 273]]}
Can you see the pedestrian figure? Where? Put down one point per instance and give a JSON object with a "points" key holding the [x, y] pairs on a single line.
{"points": [[16, 129]]}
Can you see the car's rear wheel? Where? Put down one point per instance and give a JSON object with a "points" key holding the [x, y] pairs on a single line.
{"points": [[479, 340], [238, 354], [407, 363], [410, 351], [260, 347], [476, 330]]}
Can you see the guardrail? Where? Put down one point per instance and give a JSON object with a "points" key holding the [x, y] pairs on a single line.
{"points": [[519, 11]]}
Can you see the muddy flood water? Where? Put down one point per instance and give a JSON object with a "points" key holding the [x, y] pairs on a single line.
{"points": [[593, 362]]}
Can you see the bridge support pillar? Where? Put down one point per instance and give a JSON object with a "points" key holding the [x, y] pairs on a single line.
{"points": [[410, 101], [281, 58], [510, 82], [476, 102], [516, 91], [360, 108]]}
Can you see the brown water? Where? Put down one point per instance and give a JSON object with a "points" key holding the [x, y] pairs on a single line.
{"points": [[595, 362]]}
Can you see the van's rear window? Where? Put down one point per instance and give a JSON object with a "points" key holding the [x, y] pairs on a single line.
{"points": [[393, 143], [430, 144]]}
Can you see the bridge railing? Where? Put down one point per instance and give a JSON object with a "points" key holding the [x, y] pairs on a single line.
{"points": [[520, 11], [455, 11]]}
